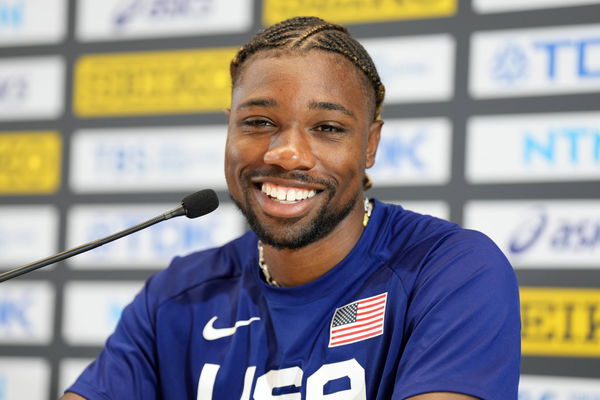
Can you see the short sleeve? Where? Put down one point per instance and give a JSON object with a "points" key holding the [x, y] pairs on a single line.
{"points": [[463, 323], [126, 367]]}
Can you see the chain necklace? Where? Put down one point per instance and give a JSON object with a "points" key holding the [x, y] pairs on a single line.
{"points": [[261, 258]]}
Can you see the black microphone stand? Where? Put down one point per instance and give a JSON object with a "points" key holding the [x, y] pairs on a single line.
{"points": [[13, 273]]}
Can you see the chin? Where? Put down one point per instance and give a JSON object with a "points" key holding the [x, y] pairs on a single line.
{"points": [[295, 233]]}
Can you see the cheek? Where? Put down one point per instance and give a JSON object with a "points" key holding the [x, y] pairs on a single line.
{"points": [[348, 162], [240, 153]]}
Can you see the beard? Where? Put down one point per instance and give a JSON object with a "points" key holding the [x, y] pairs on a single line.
{"points": [[296, 234]]}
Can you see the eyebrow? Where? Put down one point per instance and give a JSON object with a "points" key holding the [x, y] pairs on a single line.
{"points": [[259, 102], [326, 105]]}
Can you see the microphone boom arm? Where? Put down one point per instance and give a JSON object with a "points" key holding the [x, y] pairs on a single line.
{"points": [[13, 273]]}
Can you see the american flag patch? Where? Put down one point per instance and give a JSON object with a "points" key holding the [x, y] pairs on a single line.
{"points": [[360, 320]]}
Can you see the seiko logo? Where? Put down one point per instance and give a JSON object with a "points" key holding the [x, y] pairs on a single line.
{"points": [[159, 10]]}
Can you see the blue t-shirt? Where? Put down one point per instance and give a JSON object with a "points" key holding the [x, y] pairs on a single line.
{"points": [[419, 305]]}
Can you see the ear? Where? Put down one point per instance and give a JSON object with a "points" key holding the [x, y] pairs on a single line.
{"points": [[227, 113], [373, 142]]}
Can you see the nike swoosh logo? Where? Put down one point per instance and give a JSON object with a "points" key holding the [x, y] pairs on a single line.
{"points": [[211, 333]]}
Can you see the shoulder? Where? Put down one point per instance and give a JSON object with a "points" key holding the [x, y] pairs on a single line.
{"points": [[187, 272], [401, 232], [419, 247]]}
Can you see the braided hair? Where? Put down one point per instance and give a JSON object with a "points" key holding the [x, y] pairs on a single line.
{"points": [[311, 33]]}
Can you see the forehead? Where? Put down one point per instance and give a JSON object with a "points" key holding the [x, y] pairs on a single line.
{"points": [[329, 76]]}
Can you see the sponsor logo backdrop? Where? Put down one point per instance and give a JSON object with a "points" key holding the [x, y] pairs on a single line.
{"points": [[111, 111]]}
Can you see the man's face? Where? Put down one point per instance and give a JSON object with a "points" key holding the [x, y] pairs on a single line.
{"points": [[300, 135]]}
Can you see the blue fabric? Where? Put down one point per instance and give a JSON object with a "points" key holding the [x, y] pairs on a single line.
{"points": [[451, 323]]}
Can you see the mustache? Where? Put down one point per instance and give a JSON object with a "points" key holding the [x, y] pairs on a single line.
{"points": [[277, 172]]}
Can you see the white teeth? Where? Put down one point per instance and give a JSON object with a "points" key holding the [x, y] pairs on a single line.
{"points": [[291, 195], [286, 195], [281, 194]]}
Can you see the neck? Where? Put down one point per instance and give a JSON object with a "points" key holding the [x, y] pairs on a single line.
{"points": [[304, 265]]}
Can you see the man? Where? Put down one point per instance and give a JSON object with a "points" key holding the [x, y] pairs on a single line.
{"points": [[330, 296]]}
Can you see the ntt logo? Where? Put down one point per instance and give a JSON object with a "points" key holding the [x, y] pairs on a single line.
{"points": [[11, 14]]}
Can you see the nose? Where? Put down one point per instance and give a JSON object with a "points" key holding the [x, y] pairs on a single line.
{"points": [[290, 149]]}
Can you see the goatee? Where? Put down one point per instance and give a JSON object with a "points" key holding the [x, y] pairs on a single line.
{"points": [[297, 234]]}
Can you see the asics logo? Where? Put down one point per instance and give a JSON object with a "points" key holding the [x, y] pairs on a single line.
{"points": [[211, 333]]}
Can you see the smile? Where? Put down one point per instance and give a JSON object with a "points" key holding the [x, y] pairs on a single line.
{"points": [[286, 194]]}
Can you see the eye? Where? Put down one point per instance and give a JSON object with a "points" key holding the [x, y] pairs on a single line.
{"points": [[328, 128], [257, 122]]}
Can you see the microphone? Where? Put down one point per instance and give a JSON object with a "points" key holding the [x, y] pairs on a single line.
{"points": [[193, 206]]}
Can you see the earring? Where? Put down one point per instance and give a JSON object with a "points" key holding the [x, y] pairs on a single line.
{"points": [[367, 182]]}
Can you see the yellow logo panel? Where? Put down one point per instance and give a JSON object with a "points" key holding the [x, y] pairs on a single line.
{"points": [[153, 82], [357, 11], [29, 162], [560, 322]]}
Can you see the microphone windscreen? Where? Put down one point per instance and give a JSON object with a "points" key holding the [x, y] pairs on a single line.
{"points": [[200, 203]]}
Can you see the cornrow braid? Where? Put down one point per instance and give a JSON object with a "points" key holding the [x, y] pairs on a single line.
{"points": [[307, 33]]}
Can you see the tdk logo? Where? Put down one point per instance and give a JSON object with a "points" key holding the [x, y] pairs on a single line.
{"points": [[572, 145], [162, 240], [151, 247], [13, 88], [413, 151], [512, 63], [535, 61], [13, 315], [402, 152], [583, 52], [131, 10], [11, 14]]}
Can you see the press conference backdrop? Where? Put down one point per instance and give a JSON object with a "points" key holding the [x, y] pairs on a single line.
{"points": [[111, 111]]}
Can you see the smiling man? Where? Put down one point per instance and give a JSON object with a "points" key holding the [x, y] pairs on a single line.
{"points": [[331, 295]]}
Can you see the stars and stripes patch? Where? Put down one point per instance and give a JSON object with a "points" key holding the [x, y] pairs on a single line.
{"points": [[360, 320]]}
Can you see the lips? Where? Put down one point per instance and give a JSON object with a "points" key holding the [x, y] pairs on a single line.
{"points": [[285, 201]]}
